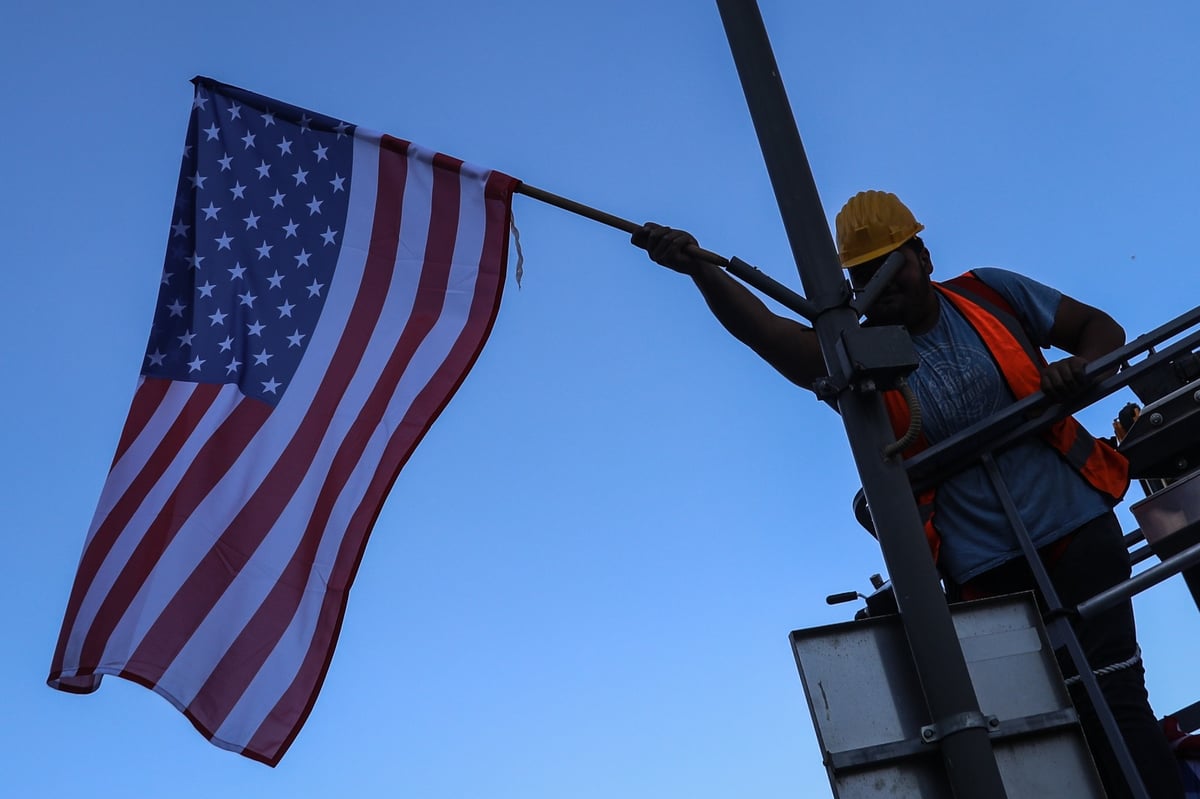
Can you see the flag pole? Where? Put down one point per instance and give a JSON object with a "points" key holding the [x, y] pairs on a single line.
{"points": [[588, 211], [735, 266]]}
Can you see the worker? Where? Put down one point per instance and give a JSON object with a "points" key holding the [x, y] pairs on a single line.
{"points": [[978, 340]]}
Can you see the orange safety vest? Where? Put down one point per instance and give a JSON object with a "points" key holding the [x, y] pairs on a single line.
{"points": [[1021, 364]]}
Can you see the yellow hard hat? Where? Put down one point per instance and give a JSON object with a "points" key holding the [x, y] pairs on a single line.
{"points": [[871, 224]]}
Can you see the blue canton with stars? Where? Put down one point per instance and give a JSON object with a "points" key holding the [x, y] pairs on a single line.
{"points": [[263, 193]]}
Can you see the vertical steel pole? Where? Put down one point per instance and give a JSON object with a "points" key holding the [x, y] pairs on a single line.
{"points": [[967, 753]]}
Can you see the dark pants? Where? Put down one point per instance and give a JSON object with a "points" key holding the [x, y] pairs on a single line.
{"points": [[1096, 559]]}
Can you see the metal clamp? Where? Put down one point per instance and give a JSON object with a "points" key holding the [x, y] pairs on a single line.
{"points": [[950, 725], [827, 389], [1016, 728]]}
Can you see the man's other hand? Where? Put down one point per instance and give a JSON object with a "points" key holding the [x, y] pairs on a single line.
{"points": [[1065, 379]]}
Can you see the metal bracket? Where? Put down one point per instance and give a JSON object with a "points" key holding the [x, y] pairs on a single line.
{"points": [[932, 733], [869, 756], [777, 291], [827, 389]]}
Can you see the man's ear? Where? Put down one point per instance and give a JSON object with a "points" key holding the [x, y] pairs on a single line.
{"points": [[926, 262]]}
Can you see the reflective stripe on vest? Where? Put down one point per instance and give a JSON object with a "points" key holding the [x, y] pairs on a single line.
{"points": [[1020, 362]]}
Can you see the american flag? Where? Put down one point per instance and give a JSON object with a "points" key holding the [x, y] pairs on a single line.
{"points": [[325, 291]]}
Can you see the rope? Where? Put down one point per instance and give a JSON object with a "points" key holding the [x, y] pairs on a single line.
{"points": [[1115, 667], [512, 223]]}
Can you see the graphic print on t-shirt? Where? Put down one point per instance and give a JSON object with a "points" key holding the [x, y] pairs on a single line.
{"points": [[966, 382]]}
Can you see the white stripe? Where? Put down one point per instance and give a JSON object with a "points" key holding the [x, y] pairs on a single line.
{"points": [[133, 533], [282, 665], [133, 460], [195, 537]]}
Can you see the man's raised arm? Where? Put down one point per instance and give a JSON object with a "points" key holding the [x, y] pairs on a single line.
{"points": [[786, 344]]}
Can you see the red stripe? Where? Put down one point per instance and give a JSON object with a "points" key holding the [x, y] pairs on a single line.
{"points": [[434, 397], [281, 726], [118, 518], [213, 460], [254, 644], [215, 572], [146, 400]]}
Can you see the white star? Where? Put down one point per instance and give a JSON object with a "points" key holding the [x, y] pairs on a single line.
{"points": [[285, 146], [176, 308], [247, 299], [260, 359], [225, 162], [217, 318], [238, 191], [186, 339], [270, 386], [194, 260], [305, 121], [314, 290], [320, 152], [197, 181], [206, 289], [212, 131], [289, 229], [295, 339], [302, 258], [237, 271], [252, 221], [263, 169], [156, 357], [268, 119], [211, 211], [180, 228], [275, 280], [254, 329], [277, 199], [301, 176], [233, 366], [226, 344], [223, 242], [329, 234], [187, 151], [248, 139], [166, 277], [195, 364], [314, 207], [341, 128], [337, 182], [199, 101], [235, 111], [285, 309], [265, 250]]}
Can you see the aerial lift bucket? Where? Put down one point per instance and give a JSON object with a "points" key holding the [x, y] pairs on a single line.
{"points": [[873, 727]]}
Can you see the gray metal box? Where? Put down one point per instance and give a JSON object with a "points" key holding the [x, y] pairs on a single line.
{"points": [[869, 712], [1169, 511]]}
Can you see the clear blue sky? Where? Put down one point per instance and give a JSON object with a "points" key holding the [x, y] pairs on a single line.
{"points": [[583, 581]]}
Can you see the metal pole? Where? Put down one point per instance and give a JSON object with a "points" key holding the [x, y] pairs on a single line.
{"points": [[1139, 582], [941, 668], [1061, 628]]}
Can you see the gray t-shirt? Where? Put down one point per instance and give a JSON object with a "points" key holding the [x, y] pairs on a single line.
{"points": [[958, 384]]}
